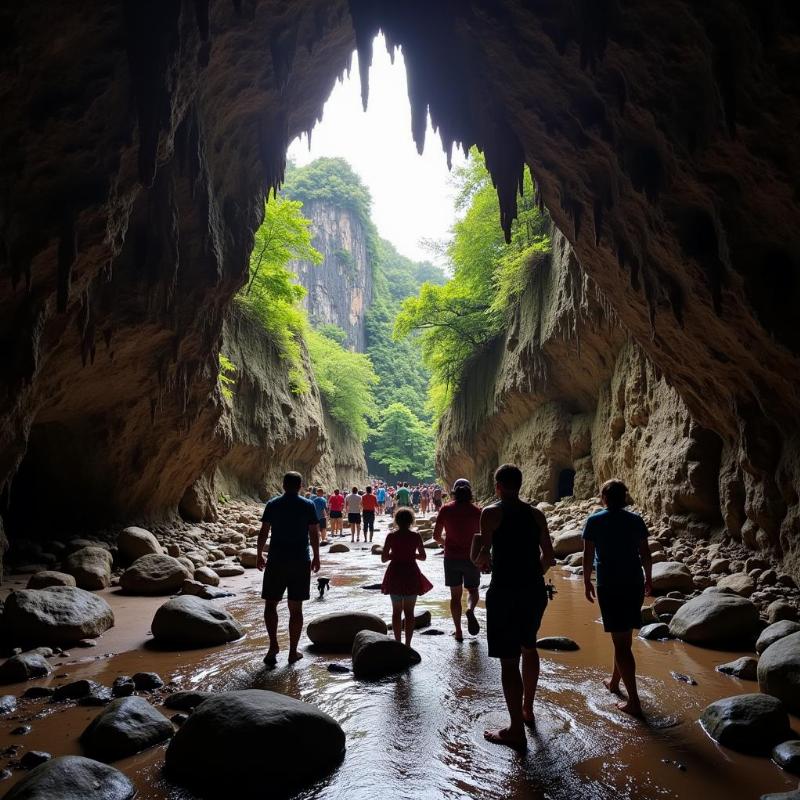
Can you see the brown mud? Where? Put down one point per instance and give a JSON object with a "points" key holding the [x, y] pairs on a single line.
{"points": [[419, 735]]}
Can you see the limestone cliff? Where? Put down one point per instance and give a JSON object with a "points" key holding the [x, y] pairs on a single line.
{"points": [[339, 290]]}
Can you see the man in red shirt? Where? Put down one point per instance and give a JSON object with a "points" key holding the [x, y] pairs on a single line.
{"points": [[368, 505], [460, 520], [336, 507]]}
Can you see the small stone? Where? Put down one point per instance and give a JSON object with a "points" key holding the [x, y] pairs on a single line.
{"points": [[744, 668], [229, 570], [186, 700], [779, 610], [432, 632], [339, 547], [38, 692], [147, 681], [373, 587], [559, 643], [21, 730], [787, 755], [8, 703], [33, 758], [74, 690], [86, 643], [680, 676], [338, 668], [24, 667], [98, 695], [123, 686], [655, 631]]}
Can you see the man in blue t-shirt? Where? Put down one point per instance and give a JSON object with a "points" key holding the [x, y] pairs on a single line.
{"points": [[380, 496], [615, 544], [292, 524], [321, 505]]}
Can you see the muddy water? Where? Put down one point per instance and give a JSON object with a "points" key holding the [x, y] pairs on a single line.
{"points": [[419, 735]]}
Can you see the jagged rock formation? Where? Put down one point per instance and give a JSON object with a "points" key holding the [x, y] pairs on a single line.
{"points": [[133, 170], [339, 290], [571, 398]]}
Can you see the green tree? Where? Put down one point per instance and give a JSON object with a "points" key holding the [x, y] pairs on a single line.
{"points": [[345, 380], [271, 293], [403, 443]]}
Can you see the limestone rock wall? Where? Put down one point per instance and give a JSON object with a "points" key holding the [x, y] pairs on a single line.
{"points": [[339, 290]]}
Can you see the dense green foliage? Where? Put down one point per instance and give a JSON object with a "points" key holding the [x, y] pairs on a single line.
{"points": [[402, 443], [345, 380], [271, 293], [456, 321], [226, 380]]}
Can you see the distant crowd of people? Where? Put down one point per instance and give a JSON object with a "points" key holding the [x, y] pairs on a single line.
{"points": [[507, 538]]}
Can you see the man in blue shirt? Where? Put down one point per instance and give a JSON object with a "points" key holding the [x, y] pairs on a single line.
{"points": [[291, 523], [615, 544], [321, 504], [380, 496]]}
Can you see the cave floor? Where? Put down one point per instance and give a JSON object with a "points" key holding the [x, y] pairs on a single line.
{"points": [[419, 734]]}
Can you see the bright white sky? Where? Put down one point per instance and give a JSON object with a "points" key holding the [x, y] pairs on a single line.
{"points": [[412, 197]]}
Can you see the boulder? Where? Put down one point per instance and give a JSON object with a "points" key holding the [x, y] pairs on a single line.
{"points": [[147, 681], [716, 619], [154, 574], [206, 576], [667, 605], [248, 557], [60, 615], [186, 700], [749, 723], [669, 576], [90, 566], [719, 566], [787, 755], [422, 619], [340, 629], [562, 643], [229, 570], [655, 630], [251, 739], [133, 543], [741, 584], [24, 667], [779, 671], [126, 726], [376, 655], [772, 633], [73, 778], [188, 621], [8, 703], [47, 578], [567, 543], [339, 547], [779, 610], [744, 668]]}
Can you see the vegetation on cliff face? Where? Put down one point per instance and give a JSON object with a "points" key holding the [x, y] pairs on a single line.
{"points": [[457, 320]]}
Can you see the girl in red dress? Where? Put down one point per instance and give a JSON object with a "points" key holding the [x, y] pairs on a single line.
{"points": [[403, 580]]}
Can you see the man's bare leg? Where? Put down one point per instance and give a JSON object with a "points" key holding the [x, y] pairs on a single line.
{"points": [[530, 680], [626, 664], [295, 629], [271, 622], [473, 626], [397, 619], [408, 613], [612, 683], [455, 611], [514, 734]]}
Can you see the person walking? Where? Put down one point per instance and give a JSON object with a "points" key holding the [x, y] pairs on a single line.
{"points": [[437, 497], [380, 496], [390, 501], [321, 505], [402, 496], [416, 496], [292, 526], [424, 499], [403, 580], [336, 509], [615, 546], [460, 521], [353, 503], [369, 504], [515, 543]]}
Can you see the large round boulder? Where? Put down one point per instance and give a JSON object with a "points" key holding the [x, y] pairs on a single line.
{"points": [[567, 543], [133, 543], [126, 726], [253, 738], [47, 578], [90, 566], [248, 557], [376, 655], [188, 621], [739, 582], [73, 778], [779, 671], [772, 633], [154, 574], [672, 576], [339, 630], [24, 667], [716, 619], [749, 723], [59, 615]]}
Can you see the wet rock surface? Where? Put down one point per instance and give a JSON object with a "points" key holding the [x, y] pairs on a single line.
{"points": [[749, 723], [154, 574], [376, 655], [193, 622], [716, 620], [779, 671], [339, 630]]}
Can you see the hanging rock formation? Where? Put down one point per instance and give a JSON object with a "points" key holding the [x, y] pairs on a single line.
{"points": [[134, 170]]}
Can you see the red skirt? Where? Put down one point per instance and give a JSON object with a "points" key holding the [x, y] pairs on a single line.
{"points": [[405, 577]]}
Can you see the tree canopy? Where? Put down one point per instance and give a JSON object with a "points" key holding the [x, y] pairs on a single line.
{"points": [[402, 443]]}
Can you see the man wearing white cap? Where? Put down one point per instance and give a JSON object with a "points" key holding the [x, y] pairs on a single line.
{"points": [[460, 520]]}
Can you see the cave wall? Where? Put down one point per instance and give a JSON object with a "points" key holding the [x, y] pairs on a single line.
{"points": [[139, 139], [339, 290]]}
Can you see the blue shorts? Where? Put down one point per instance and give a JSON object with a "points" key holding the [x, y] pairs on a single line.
{"points": [[400, 598]]}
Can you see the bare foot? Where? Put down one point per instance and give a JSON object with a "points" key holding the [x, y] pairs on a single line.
{"points": [[634, 709], [458, 636], [271, 658], [294, 657], [611, 686], [528, 717], [505, 736]]}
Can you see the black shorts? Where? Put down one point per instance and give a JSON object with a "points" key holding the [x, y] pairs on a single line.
{"points": [[336, 514], [353, 518], [461, 572], [513, 619], [621, 607], [322, 523], [292, 577]]}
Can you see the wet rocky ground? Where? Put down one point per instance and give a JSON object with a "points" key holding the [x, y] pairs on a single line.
{"points": [[417, 733]]}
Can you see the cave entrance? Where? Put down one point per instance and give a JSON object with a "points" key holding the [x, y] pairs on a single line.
{"points": [[566, 484]]}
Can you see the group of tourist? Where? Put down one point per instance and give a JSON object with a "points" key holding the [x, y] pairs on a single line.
{"points": [[507, 538], [362, 507]]}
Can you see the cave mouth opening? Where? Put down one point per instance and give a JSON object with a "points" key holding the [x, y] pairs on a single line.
{"points": [[565, 486]]}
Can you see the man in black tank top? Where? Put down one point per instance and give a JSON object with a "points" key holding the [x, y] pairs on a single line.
{"points": [[515, 541]]}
